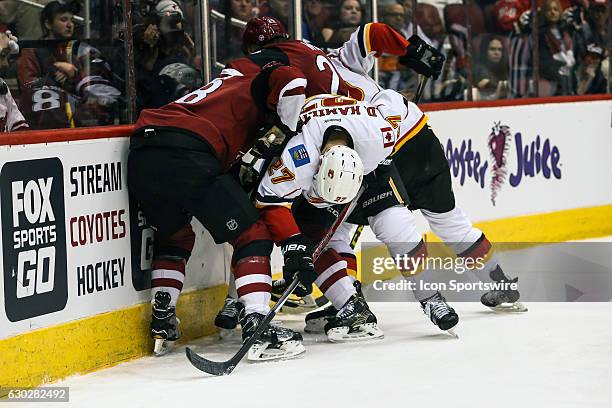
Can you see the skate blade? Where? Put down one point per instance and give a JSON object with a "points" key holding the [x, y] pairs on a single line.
{"points": [[516, 307], [262, 351], [368, 331], [452, 333], [316, 326], [162, 347], [299, 305]]}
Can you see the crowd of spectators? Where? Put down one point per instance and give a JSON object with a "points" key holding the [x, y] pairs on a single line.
{"points": [[66, 75], [488, 44]]}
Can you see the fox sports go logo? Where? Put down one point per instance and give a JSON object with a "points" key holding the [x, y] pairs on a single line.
{"points": [[33, 237]]}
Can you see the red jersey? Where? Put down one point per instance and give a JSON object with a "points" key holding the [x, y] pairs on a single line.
{"points": [[322, 77], [228, 111]]}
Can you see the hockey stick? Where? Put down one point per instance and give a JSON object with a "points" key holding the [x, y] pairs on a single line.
{"points": [[226, 367], [420, 88], [417, 97]]}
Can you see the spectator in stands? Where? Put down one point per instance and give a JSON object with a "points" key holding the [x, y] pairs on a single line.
{"points": [[229, 39], [350, 16], [391, 74], [556, 52], [159, 41], [278, 9], [312, 20], [8, 47], [589, 75], [67, 83], [11, 118], [507, 12], [450, 85], [407, 30], [394, 15], [491, 69], [24, 17], [589, 24], [242, 9]]}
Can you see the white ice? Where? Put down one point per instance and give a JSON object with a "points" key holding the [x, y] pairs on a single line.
{"points": [[556, 355]]}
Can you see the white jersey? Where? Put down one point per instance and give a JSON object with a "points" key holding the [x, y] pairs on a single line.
{"points": [[10, 117], [356, 58], [374, 128]]}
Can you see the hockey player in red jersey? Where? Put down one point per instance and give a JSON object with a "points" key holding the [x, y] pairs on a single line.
{"points": [[178, 166], [310, 60], [265, 40]]}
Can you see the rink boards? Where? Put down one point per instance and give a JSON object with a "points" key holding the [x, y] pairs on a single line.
{"points": [[76, 251]]}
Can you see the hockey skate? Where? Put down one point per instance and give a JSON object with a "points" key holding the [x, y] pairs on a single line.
{"points": [[164, 324], [298, 302], [275, 343], [316, 321], [503, 301], [440, 313], [229, 316], [354, 322]]}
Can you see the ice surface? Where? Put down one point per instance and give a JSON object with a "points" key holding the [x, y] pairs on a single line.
{"points": [[556, 355]]}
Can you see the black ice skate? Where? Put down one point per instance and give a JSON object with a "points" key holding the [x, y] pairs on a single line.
{"points": [[354, 322], [503, 300], [298, 302], [276, 342], [229, 316], [440, 313], [164, 324], [316, 321]]}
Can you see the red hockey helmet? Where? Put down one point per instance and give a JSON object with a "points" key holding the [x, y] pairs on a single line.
{"points": [[261, 30]]}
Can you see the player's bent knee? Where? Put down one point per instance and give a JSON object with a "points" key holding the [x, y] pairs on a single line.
{"points": [[176, 246]]}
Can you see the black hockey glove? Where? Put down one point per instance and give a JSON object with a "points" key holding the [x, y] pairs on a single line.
{"points": [[271, 142], [297, 252], [423, 58]]}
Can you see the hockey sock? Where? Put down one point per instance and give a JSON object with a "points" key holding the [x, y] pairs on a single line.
{"points": [[333, 279], [168, 276], [171, 256], [351, 264], [253, 283]]}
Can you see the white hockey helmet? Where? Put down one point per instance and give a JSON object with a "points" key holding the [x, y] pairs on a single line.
{"points": [[339, 176]]}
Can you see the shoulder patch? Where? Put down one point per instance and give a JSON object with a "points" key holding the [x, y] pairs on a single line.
{"points": [[299, 155]]}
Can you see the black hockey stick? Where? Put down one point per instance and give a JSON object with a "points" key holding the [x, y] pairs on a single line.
{"points": [[226, 367]]}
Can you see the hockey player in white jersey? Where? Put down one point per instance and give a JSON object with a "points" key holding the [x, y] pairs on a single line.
{"points": [[423, 172], [417, 153], [340, 141]]}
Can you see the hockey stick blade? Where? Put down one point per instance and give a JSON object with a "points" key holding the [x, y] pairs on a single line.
{"points": [[226, 367]]}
